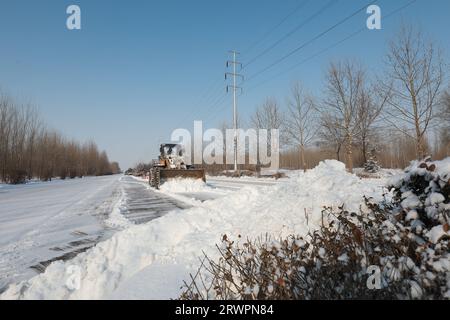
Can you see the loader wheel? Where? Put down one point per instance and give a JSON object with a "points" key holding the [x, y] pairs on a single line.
{"points": [[155, 178]]}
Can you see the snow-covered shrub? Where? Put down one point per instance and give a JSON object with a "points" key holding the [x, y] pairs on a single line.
{"points": [[372, 166], [332, 263], [422, 196], [406, 238]]}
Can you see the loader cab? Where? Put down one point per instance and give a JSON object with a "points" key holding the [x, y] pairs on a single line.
{"points": [[171, 156], [167, 150]]}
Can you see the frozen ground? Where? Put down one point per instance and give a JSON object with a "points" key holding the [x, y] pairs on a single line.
{"points": [[149, 261]]}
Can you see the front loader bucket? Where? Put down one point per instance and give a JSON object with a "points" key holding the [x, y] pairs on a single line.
{"points": [[166, 174]]}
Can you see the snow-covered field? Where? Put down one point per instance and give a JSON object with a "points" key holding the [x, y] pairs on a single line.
{"points": [[149, 261]]}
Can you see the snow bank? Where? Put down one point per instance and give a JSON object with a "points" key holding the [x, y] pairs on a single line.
{"points": [[177, 239]]}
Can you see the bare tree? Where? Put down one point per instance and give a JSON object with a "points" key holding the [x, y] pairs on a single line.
{"points": [[5, 132], [32, 137], [368, 112], [331, 134], [415, 72], [268, 116], [301, 125], [28, 149], [115, 168], [345, 87]]}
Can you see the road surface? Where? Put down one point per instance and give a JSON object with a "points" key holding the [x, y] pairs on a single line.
{"points": [[48, 221]]}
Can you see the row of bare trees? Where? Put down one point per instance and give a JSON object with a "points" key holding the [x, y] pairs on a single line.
{"points": [[393, 113], [29, 150]]}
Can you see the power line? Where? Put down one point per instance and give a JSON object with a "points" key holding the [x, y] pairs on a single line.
{"points": [[392, 13], [268, 33], [217, 103], [222, 106], [307, 59], [316, 14], [298, 27], [320, 35], [327, 6], [212, 91], [331, 46], [211, 98], [206, 97]]}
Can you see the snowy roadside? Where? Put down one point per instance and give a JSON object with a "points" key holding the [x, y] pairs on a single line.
{"points": [[168, 248]]}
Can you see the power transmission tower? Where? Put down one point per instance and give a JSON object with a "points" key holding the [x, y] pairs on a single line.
{"points": [[234, 88]]}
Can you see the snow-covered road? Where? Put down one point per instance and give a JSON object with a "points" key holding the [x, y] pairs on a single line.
{"points": [[44, 222], [41, 221]]}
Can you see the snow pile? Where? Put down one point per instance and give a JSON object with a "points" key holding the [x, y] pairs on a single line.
{"points": [[177, 239], [180, 185]]}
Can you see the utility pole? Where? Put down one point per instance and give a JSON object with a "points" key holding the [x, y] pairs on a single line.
{"points": [[234, 87]]}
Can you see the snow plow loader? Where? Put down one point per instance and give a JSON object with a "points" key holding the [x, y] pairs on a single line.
{"points": [[171, 164]]}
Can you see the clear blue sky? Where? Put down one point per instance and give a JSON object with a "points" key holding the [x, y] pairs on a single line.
{"points": [[140, 68]]}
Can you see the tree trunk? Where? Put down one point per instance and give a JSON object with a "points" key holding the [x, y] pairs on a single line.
{"points": [[338, 151], [364, 149], [349, 152], [419, 137], [30, 164], [420, 149], [302, 157]]}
